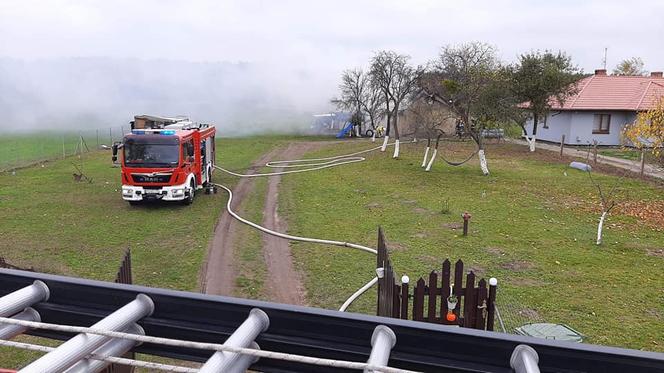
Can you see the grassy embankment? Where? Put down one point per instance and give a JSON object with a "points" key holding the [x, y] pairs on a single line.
{"points": [[532, 227]]}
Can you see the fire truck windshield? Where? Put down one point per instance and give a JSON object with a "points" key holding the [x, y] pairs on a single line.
{"points": [[151, 151]]}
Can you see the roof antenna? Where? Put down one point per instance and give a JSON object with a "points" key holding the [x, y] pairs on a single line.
{"points": [[604, 60]]}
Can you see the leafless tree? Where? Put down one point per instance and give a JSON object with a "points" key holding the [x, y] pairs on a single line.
{"points": [[467, 79], [395, 78], [353, 87]]}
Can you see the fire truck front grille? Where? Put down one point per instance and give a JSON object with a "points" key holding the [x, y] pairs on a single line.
{"points": [[142, 178]]}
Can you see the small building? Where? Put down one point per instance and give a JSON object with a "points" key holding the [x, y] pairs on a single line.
{"points": [[600, 109]]}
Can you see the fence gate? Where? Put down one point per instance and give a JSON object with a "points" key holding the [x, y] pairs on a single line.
{"points": [[475, 306]]}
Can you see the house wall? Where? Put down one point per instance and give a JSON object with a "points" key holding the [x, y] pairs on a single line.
{"points": [[558, 123], [578, 127]]}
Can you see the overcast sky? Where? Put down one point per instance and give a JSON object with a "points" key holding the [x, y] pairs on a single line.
{"points": [[321, 38]]}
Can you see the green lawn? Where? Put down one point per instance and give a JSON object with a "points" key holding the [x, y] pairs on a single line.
{"points": [[532, 227]]}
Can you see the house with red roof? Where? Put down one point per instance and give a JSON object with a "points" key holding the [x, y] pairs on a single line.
{"points": [[600, 109]]}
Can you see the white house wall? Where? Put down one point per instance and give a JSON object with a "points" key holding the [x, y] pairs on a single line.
{"points": [[578, 127]]}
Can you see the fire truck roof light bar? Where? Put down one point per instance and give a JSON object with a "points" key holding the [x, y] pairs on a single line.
{"points": [[116, 347], [78, 347], [382, 342], [17, 301], [11, 331], [256, 323]]}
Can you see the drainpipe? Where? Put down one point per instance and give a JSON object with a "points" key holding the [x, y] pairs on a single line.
{"points": [[115, 347], [78, 347], [382, 342], [11, 331], [222, 362], [17, 301]]}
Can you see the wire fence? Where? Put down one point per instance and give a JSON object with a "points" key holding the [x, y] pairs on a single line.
{"points": [[19, 150]]}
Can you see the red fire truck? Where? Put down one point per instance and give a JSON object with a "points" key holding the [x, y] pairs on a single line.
{"points": [[165, 159]]}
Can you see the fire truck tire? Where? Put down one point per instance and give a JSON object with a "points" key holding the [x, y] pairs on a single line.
{"points": [[190, 198]]}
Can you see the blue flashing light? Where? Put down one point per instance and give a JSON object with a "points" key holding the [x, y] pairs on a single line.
{"points": [[138, 132], [168, 132]]}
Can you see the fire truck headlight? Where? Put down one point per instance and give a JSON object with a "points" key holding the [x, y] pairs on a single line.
{"points": [[177, 192]]}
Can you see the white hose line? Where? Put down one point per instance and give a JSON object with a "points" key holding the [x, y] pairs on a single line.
{"points": [[288, 236], [357, 294], [108, 359], [204, 346]]}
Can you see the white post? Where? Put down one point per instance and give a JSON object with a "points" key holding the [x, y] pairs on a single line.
{"points": [[483, 164], [81, 345], [531, 143], [114, 348], [433, 157], [382, 342], [373, 136], [426, 155], [599, 228], [385, 140], [243, 336], [11, 331], [17, 301], [396, 149]]}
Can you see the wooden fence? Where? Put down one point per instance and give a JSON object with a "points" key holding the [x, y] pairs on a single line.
{"points": [[123, 277], [475, 307]]}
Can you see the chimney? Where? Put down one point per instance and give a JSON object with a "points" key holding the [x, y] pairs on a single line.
{"points": [[656, 74], [600, 72]]}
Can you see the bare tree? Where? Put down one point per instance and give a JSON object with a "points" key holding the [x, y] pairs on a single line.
{"points": [[353, 87], [464, 79], [392, 75]]}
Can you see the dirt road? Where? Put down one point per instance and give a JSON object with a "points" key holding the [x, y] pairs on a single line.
{"points": [[283, 283], [219, 271]]}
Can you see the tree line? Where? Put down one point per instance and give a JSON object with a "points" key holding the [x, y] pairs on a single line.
{"points": [[467, 82]]}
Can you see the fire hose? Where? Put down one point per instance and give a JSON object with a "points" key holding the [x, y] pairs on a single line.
{"points": [[314, 164]]}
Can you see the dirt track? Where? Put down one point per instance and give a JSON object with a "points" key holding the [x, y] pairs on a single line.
{"points": [[283, 283]]}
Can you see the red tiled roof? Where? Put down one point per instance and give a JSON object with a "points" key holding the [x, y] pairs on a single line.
{"points": [[612, 92]]}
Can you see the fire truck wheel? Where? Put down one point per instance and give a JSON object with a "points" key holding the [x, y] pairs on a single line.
{"points": [[190, 198]]}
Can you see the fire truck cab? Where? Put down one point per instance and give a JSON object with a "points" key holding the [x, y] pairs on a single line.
{"points": [[166, 159]]}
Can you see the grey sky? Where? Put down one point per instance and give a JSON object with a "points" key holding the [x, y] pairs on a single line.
{"points": [[319, 39]]}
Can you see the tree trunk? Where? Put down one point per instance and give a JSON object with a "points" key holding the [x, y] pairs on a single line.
{"points": [[426, 155], [600, 226], [396, 132], [433, 158], [385, 140], [483, 164], [533, 139]]}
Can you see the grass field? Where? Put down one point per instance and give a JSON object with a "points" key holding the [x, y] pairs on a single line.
{"points": [[23, 149], [532, 227]]}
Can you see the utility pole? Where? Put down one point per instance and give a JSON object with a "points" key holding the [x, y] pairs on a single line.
{"points": [[606, 49]]}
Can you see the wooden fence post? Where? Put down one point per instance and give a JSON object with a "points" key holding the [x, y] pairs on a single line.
{"points": [[562, 145], [433, 292], [491, 305], [404, 299], [444, 290], [643, 162], [481, 305], [469, 302], [418, 300]]}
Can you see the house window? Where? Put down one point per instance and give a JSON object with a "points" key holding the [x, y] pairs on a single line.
{"points": [[602, 123]]}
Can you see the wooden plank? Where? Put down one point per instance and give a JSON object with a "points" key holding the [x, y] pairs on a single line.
{"points": [[491, 307], [380, 258], [396, 301], [418, 301], [458, 284], [444, 289], [469, 304], [481, 302], [389, 288], [404, 301], [433, 292]]}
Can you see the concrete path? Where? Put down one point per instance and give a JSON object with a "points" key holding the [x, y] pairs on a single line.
{"points": [[634, 166]]}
